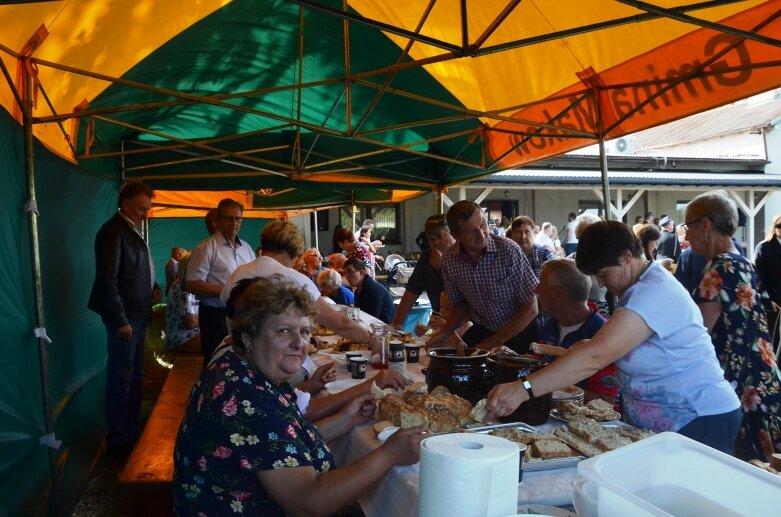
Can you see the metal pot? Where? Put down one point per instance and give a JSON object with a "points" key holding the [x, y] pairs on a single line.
{"points": [[468, 377]]}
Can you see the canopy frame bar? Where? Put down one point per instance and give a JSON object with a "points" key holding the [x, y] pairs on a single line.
{"points": [[200, 146], [195, 157], [150, 147], [668, 13]]}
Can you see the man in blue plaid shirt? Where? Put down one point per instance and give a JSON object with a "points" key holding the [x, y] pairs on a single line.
{"points": [[488, 280]]}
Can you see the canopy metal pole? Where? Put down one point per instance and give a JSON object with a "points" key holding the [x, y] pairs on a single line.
{"points": [[437, 199], [27, 114], [602, 158], [317, 237], [352, 207]]}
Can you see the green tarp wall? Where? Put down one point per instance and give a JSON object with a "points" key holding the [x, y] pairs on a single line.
{"points": [[73, 203]]}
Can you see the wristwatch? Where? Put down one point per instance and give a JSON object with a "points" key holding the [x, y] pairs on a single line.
{"points": [[527, 385]]}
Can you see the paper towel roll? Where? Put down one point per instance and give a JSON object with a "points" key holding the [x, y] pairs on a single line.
{"points": [[468, 474]]}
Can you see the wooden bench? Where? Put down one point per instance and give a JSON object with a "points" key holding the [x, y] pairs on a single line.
{"points": [[150, 468]]}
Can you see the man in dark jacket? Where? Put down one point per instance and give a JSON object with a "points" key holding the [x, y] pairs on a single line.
{"points": [[669, 247], [122, 295], [370, 296]]}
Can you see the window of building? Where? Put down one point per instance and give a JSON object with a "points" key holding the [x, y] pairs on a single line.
{"points": [[387, 221]]}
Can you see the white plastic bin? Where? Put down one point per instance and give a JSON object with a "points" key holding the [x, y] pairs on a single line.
{"points": [[669, 474]]}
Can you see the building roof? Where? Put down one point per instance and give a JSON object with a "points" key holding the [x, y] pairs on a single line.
{"points": [[536, 178], [744, 117]]}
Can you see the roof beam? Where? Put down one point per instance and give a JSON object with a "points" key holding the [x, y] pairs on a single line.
{"points": [[386, 27]]}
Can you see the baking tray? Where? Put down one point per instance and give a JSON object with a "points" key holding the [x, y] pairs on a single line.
{"points": [[532, 466]]}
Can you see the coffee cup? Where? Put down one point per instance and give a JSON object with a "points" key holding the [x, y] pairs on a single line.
{"points": [[413, 353], [350, 355], [357, 367]]}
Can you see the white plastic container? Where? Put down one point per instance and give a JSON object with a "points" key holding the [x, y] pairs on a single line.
{"points": [[669, 474]]}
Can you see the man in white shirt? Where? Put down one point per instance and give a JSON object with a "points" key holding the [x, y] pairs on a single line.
{"points": [[570, 238], [211, 263], [544, 237], [282, 244]]}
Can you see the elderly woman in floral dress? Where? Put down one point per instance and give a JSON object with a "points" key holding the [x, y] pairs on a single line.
{"points": [[245, 447], [730, 303]]}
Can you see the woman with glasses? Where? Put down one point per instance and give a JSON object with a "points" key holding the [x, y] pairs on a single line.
{"points": [[768, 261], [666, 367], [733, 314]]}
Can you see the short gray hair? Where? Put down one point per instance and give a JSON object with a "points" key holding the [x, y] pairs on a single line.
{"points": [[329, 278], [565, 274], [583, 220], [718, 207]]}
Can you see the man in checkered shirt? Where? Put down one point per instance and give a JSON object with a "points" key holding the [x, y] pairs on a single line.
{"points": [[488, 280]]}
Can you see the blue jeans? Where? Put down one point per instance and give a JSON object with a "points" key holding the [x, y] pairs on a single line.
{"points": [[570, 248], [717, 431], [124, 372]]}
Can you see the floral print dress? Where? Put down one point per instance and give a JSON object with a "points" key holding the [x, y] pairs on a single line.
{"points": [[237, 423], [743, 348]]}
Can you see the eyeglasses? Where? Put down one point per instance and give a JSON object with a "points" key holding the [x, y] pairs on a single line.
{"points": [[778, 226], [686, 225]]}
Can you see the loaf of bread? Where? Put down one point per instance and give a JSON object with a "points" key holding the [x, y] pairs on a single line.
{"points": [[449, 402], [440, 390], [389, 408], [441, 421]]}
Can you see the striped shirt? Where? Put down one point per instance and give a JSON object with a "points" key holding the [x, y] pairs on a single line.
{"points": [[496, 287]]}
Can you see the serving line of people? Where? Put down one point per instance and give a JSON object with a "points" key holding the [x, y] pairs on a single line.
{"points": [[667, 353]]}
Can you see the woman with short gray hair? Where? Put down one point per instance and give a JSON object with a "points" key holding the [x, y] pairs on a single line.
{"points": [[245, 447], [732, 312]]}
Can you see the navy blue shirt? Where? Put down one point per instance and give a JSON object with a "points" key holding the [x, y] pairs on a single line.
{"points": [[375, 299]]}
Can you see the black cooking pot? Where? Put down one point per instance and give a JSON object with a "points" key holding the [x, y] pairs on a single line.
{"points": [[468, 377], [509, 368]]}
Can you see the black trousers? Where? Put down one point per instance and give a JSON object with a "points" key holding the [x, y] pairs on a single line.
{"points": [[214, 328]]}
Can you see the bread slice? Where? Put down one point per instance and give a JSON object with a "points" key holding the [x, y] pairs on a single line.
{"points": [[547, 449], [611, 442], [479, 411], [515, 435], [634, 433], [412, 416], [577, 443], [587, 428]]}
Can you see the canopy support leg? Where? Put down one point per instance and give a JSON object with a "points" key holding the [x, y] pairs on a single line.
{"points": [[352, 207], [603, 160], [29, 166], [317, 237]]}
